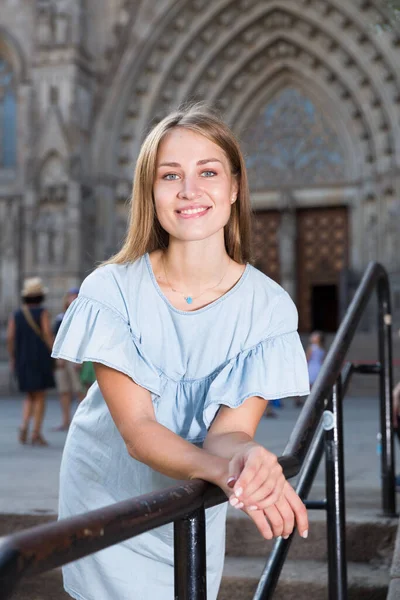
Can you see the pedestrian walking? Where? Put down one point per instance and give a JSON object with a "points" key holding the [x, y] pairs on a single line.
{"points": [[66, 373], [315, 355], [188, 341], [29, 343]]}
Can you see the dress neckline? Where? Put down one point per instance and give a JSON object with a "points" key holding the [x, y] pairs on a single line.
{"points": [[227, 294]]}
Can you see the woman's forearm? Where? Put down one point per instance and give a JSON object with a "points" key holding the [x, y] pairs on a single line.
{"points": [[166, 452], [226, 444]]}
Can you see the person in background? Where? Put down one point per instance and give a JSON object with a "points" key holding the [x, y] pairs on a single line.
{"points": [[29, 343], [396, 414], [66, 373], [87, 375], [315, 355]]}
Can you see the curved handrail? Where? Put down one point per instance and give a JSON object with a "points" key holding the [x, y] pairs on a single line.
{"points": [[45, 547]]}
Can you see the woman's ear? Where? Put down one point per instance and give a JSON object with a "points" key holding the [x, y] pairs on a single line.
{"points": [[235, 191]]}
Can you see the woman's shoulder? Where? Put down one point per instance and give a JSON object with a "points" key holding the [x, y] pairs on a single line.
{"points": [[111, 283], [271, 304], [266, 288], [110, 275]]}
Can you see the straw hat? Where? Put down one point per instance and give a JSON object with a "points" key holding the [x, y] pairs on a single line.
{"points": [[33, 286]]}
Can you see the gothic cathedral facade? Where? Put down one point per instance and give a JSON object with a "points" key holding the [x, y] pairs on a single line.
{"points": [[311, 88]]}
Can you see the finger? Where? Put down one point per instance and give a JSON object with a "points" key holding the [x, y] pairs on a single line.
{"points": [[299, 509], [235, 467], [258, 488], [269, 493], [275, 520], [249, 472], [287, 515], [261, 523]]}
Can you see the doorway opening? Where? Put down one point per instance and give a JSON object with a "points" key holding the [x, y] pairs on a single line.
{"points": [[324, 307]]}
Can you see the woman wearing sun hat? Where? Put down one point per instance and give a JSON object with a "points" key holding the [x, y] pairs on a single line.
{"points": [[29, 342]]}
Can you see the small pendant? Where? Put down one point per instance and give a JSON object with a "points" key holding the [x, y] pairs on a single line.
{"points": [[189, 299]]}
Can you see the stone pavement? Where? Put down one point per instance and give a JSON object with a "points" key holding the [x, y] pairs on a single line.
{"points": [[29, 475]]}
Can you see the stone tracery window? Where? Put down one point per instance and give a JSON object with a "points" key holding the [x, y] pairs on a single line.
{"points": [[290, 142], [8, 114]]}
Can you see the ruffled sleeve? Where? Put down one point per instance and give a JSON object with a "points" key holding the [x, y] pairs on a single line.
{"points": [[92, 330], [274, 368]]}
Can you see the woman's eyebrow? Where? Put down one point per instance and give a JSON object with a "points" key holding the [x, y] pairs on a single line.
{"points": [[207, 160], [203, 161]]}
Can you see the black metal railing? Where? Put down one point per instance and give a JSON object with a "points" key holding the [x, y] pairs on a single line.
{"points": [[318, 429]]}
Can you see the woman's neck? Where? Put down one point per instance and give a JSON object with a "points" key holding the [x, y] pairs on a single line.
{"points": [[195, 266]]}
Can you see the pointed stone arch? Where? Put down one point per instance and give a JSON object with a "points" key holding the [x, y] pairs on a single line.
{"points": [[277, 79], [12, 51], [218, 36], [325, 108], [235, 53]]}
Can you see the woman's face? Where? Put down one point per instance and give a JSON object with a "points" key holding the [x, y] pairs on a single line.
{"points": [[194, 188]]}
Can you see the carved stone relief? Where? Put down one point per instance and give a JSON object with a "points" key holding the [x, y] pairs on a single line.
{"points": [[51, 237], [290, 142], [10, 267], [168, 83]]}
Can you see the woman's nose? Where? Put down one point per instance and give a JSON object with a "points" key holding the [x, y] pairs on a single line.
{"points": [[189, 189]]}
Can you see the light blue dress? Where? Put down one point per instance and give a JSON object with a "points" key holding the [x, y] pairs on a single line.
{"points": [[243, 344]]}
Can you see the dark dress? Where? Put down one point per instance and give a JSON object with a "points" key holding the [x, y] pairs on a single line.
{"points": [[33, 363]]}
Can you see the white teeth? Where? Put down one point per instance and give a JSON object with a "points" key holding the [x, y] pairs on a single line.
{"points": [[192, 211]]}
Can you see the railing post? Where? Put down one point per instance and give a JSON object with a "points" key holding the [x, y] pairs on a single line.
{"points": [[190, 557], [385, 392], [336, 525]]}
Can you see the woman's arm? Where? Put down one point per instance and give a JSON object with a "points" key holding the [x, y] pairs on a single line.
{"points": [[150, 442], [46, 329], [259, 487], [234, 428], [11, 341]]}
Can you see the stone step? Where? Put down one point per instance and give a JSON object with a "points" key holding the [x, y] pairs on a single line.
{"points": [[369, 537], [47, 586], [301, 580], [298, 581]]}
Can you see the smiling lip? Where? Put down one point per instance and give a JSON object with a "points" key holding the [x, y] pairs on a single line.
{"points": [[192, 212]]}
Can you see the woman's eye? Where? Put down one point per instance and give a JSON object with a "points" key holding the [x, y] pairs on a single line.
{"points": [[170, 176], [208, 173]]}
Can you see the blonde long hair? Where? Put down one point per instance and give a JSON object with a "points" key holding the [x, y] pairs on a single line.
{"points": [[145, 233]]}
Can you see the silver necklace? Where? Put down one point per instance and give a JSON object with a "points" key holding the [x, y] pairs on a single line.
{"points": [[189, 298]]}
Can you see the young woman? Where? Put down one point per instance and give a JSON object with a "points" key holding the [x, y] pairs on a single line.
{"points": [[189, 341], [29, 343]]}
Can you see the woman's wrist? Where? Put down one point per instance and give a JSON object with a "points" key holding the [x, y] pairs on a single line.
{"points": [[212, 468]]}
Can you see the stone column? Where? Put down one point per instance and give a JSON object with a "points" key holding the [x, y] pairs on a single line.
{"points": [[287, 237], [106, 219]]}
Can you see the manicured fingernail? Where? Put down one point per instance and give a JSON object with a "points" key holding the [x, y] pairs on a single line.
{"points": [[285, 537], [240, 505], [305, 534], [239, 492], [231, 482], [233, 501], [253, 507]]}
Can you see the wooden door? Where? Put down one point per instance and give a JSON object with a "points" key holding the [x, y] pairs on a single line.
{"points": [[322, 253], [265, 242]]}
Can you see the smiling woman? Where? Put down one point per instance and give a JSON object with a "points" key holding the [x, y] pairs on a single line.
{"points": [[189, 342]]}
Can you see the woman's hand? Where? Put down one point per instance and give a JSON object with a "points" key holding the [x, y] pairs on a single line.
{"points": [[261, 490], [281, 518], [257, 476]]}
